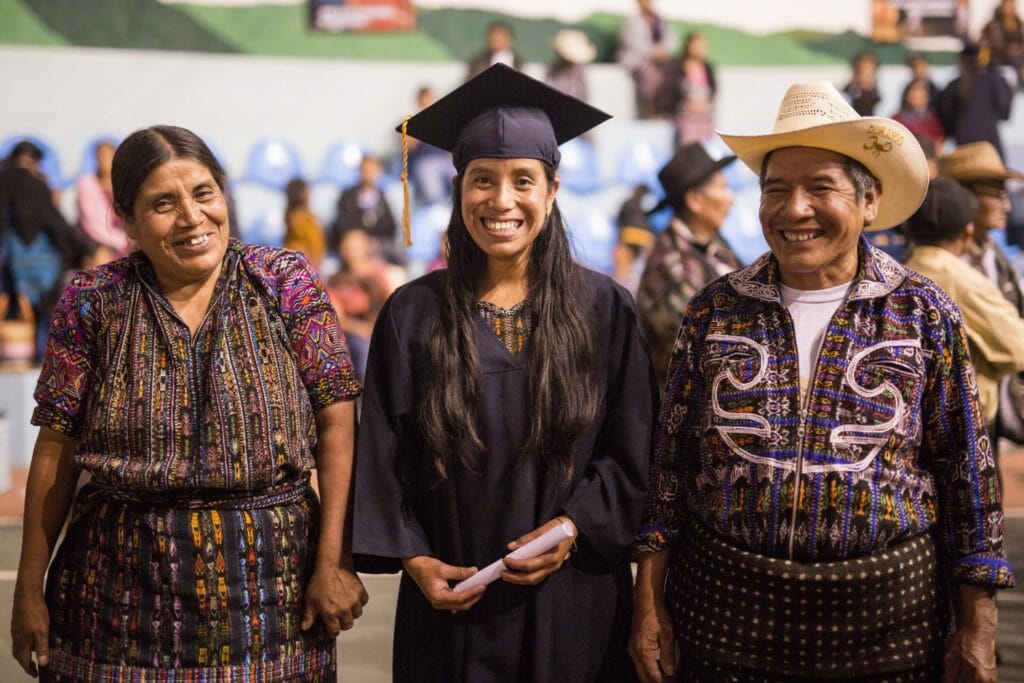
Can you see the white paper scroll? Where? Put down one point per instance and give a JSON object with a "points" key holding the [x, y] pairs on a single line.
{"points": [[541, 544]]}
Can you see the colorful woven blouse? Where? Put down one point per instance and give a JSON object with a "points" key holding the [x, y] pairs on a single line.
{"points": [[891, 443], [156, 409], [511, 325]]}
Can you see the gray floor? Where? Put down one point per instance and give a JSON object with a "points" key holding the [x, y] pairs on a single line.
{"points": [[365, 651]]}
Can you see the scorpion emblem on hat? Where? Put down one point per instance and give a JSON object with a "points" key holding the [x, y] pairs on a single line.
{"points": [[873, 145]]}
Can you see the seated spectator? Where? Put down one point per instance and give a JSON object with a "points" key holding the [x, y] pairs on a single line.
{"points": [[862, 90], [302, 231], [34, 237], [1003, 38], [689, 92], [500, 50], [430, 168], [359, 289], [646, 44], [920, 71], [629, 256], [572, 51], [917, 114], [95, 200], [363, 206]]}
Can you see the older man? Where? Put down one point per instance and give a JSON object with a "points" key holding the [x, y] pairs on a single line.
{"points": [[977, 166], [822, 472], [689, 253]]}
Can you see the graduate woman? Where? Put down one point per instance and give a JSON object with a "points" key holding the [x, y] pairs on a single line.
{"points": [[505, 395]]}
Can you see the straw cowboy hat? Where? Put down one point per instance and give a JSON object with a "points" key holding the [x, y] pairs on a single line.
{"points": [[976, 162], [816, 115], [573, 46]]}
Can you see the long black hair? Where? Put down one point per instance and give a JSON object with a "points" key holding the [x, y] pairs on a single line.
{"points": [[563, 387]]}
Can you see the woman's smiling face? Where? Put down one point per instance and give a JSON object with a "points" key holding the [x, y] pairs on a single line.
{"points": [[180, 221], [505, 204]]}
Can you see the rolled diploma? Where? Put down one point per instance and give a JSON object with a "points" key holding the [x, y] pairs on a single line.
{"points": [[543, 543]]}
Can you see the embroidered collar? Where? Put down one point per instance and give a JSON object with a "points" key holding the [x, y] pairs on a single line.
{"points": [[878, 274]]}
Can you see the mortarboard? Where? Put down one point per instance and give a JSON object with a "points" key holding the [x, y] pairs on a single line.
{"points": [[500, 114]]}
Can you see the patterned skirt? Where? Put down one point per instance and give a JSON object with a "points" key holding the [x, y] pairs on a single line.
{"points": [[201, 590], [878, 618]]}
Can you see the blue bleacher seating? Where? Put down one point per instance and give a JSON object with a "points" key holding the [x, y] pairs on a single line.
{"points": [[273, 163], [50, 163], [341, 164], [579, 170]]}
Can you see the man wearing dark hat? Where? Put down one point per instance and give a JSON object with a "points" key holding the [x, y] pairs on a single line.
{"points": [[942, 231], [823, 485], [689, 253]]}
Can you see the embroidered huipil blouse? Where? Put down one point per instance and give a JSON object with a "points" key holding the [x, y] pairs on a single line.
{"points": [[230, 408], [889, 442]]}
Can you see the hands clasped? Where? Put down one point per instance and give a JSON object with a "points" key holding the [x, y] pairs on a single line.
{"points": [[337, 596]]}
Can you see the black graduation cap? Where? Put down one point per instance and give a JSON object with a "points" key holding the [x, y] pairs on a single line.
{"points": [[503, 114]]}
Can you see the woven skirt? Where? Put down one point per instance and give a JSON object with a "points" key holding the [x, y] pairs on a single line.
{"points": [[204, 590], [883, 616]]}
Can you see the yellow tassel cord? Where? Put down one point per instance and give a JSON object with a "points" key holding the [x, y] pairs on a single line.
{"points": [[406, 220]]}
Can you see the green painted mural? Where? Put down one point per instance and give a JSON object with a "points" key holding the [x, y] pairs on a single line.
{"points": [[442, 35]]}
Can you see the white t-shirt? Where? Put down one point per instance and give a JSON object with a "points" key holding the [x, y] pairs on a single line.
{"points": [[811, 310]]}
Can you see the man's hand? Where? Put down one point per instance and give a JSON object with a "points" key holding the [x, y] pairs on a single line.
{"points": [[971, 656], [652, 642]]}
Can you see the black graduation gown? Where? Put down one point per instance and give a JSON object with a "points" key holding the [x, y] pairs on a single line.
{"points": [[575, 624]]}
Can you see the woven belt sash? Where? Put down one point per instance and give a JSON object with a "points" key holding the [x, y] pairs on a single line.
{"points": [[198, 499], [882, 613]]}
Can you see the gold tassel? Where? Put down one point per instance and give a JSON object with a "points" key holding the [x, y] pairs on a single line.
{"points": [[406, 220]]}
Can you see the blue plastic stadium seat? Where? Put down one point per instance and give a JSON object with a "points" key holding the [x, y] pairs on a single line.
{"points": [[341, 164], [50, 163], [579, 169], [88, 164], [427, 225], [639, 163], [273, 163], [592, 231]]}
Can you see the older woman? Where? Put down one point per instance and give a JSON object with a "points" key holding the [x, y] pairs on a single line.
{"points": [[198, 381], [506, 395]]}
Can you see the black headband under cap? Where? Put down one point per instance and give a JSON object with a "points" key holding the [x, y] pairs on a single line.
{"points": [[503, 114]]}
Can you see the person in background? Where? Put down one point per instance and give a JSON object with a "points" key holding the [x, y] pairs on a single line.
{"points": [[198, 381], [972, 104], [822, 470], [690, 82], [95, 200], [943, 231], [302, 230], [918, 115], [646, 45], [430, 168], [689, 254], [920, 70], [359, 289], [978, 167], [506, 395], [862, 90], [500, 50], [629, 255], [573, 51], [1003, 38], [34, 237], [363, 206]]}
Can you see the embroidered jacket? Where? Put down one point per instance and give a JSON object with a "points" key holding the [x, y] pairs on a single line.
{"points": [[888, 443]]}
